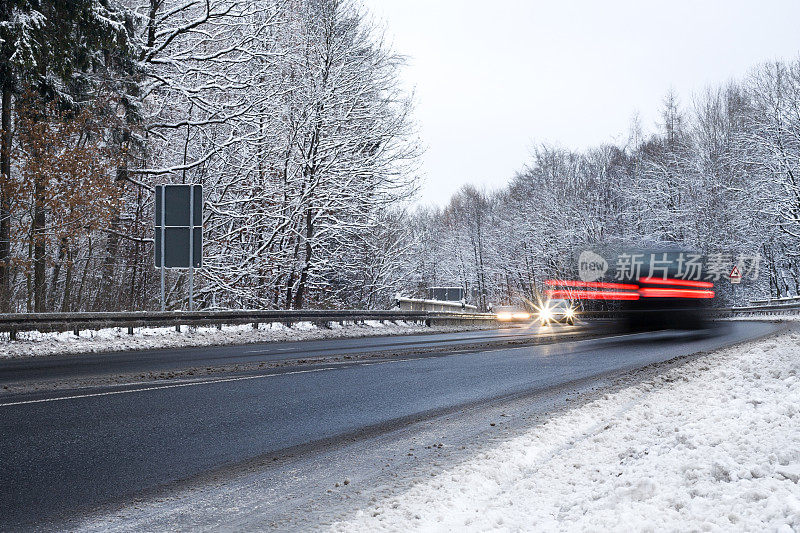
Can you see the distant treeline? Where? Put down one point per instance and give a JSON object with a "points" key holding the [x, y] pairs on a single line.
{"points": [[721, 175]]}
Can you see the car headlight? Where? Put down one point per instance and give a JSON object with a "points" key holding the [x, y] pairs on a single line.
{"points": [[545, 314], [570, 313]]}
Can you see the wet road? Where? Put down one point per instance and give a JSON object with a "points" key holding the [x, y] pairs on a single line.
{"points": [[72, 451], [79, 366]]}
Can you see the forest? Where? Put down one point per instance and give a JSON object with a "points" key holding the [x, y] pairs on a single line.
{"points": [[292, 116], [718, 176], [288, 112]]}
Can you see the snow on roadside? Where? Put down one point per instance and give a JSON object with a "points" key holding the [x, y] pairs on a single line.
{"points": [[713, 444], [34, 343]]}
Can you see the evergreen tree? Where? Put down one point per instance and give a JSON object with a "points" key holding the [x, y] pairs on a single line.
{"points": [[64, 50]]}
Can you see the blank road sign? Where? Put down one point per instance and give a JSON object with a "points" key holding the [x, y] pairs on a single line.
{"points": [[176, 200], [447, 294], [176, 216], [176, 247]]}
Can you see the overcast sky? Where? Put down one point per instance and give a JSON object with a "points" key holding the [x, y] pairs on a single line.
{"points": [[492, 79]]}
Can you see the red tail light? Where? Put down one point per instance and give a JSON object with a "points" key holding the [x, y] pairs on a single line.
{"points": [[675, 293], [591, 295], [628, 291], [676, 282], [592, 284]]}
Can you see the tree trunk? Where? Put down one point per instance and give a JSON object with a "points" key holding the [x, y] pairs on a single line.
{"points": [[132, 304], [54, 277], [5, 202], [84, 274], [109, 298], [65, 304], [28, 280], [301, 286], [39, 245]]}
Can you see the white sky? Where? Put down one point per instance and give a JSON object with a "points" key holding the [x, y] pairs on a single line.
{"points": [[492, 79]]}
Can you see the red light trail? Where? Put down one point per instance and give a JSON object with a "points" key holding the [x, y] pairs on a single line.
{"points": [[677, 282], [592, 284], [591, 295], [627, 291], [675, 293]]}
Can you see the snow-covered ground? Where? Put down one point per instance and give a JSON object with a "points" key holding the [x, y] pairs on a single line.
{"points": [[712, 445], [117, 339]]}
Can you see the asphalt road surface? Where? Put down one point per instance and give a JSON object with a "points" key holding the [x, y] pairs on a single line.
{"points": [[72, 366], [71, 452]]}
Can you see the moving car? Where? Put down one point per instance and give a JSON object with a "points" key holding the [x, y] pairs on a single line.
{"points": [[557, 310], [512, 313], [650, 289]]}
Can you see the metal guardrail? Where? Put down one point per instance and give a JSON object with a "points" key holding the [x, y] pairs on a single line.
{"points": [[49, 322], [787, 300], [416, 304], [769, 309], [714, 311], [720, 312]]}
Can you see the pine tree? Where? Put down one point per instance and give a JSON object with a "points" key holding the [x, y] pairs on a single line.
{"points": [[62, 50]]}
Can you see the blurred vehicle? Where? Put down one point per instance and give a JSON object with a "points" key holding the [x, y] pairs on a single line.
{"points": [[672, 295], [668, 304], [647, 289], [512, 313], [557, 310]]}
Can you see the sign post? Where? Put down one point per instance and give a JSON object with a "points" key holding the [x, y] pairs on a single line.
{"points": [[163, 299], [179, 232], [191, 248]]}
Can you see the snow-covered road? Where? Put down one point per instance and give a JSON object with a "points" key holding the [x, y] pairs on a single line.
{"points": [[713, 444]]}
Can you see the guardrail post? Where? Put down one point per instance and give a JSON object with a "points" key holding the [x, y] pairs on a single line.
{"points": [[12, 335], [77, 332], [255, 325], [130, 330], [178, 328]]}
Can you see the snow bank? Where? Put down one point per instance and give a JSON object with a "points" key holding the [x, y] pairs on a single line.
{"points": [[710, 445], [117, 339]]}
